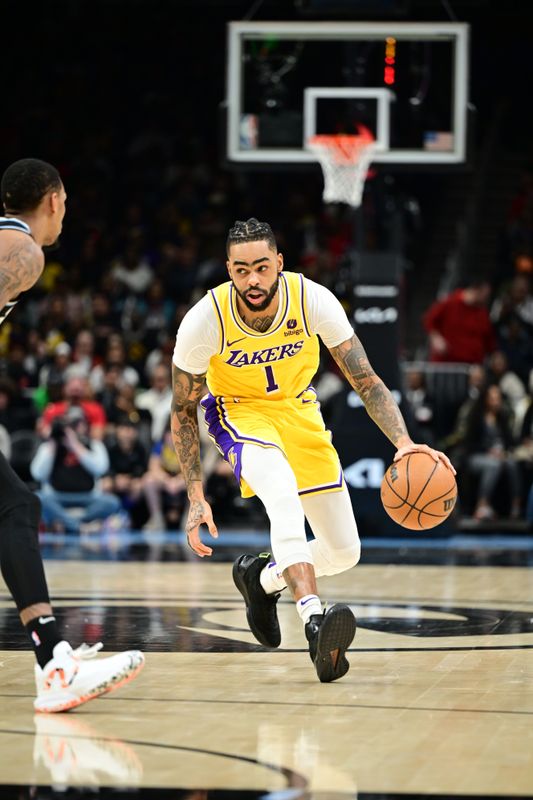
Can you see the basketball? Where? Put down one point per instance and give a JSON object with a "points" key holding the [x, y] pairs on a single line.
{"points": [[418, 492]]}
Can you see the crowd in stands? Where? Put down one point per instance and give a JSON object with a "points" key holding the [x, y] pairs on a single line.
{"points": [[489, 325], [85, 361]]}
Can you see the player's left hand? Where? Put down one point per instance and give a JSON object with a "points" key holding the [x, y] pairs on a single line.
{"points": [[436, 455]]}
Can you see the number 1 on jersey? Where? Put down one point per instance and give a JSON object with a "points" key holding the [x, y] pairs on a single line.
{"points": [[271, 383]]}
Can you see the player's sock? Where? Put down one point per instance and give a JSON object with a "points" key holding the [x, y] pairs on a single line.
{"points": [[307, 606], [44, 636], [270, 579]]}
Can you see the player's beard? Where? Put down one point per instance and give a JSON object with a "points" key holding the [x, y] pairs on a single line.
{"points": [[269, 296]]}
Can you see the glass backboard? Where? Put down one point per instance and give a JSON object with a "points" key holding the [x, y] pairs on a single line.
{"points": [[406, 82]]}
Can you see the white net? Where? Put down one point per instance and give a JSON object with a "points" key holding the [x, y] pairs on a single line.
{"points": [[345, 161]]}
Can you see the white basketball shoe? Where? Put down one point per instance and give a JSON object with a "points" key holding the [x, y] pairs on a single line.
{"points": [[68, 681]]}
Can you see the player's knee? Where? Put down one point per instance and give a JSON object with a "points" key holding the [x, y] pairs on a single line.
{"points": [[354, 555], [340, 559], [347, 557]]}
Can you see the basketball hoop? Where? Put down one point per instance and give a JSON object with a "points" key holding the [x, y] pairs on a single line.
{"points": [[345, 160]]}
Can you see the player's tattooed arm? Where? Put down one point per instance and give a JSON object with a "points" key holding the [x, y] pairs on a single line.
{"points": [[21, 265], [186, 392], [379, 402]]}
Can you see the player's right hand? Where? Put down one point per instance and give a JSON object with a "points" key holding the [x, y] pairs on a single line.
{"points": [[199, 513]]}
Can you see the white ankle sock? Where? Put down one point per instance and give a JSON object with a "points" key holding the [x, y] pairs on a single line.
{"points": [[271, 580], [307, 606]]}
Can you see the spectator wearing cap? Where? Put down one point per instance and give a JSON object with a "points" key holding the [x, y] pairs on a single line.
{"points": [[68, 465]]}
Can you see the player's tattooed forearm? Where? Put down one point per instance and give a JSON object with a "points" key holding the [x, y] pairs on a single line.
{"points": [[380, 404], [187, 445], [353, 361], [20, 267], [187, 389], [384, 410]]}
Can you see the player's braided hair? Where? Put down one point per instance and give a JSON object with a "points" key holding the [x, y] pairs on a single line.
{"points": [[251, 231]]}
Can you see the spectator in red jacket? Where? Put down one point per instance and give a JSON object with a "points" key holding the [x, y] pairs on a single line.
{"points": [[459, 326]]}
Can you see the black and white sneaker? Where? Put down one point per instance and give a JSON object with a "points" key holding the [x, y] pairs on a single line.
{"points": [[261, 611], [329, 636]]}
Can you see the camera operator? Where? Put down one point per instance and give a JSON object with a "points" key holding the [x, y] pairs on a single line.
{"points": [[68, 465], [76, 393]]}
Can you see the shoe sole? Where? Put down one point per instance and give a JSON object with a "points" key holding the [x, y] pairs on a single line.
{"points": [[78, 701], [241, 586], [336, 633]]}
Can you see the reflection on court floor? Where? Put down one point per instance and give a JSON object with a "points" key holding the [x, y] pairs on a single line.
{"points": [[438, 700]]}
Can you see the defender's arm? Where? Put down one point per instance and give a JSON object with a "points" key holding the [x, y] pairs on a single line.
{"points": [[21, 265]]}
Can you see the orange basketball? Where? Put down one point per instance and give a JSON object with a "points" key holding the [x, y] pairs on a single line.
{"points": [[418, 492]]}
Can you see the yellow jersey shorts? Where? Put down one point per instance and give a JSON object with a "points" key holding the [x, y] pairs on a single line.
{"points": [[294, 425]]}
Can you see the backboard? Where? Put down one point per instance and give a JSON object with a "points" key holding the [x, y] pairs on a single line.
{"points": [[406, 81]]}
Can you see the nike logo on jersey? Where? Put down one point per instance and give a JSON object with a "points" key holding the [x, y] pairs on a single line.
{"points": [[44, 620], [229, 344]]}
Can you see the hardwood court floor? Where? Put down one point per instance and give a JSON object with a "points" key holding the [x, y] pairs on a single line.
{"points": [[439, 698]]}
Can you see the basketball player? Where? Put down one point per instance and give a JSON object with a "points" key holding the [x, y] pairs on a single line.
{"points": [[33, 197], [254, 341]]}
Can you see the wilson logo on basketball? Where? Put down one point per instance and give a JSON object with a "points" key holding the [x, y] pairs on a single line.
{"points": [[418, 492]]}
